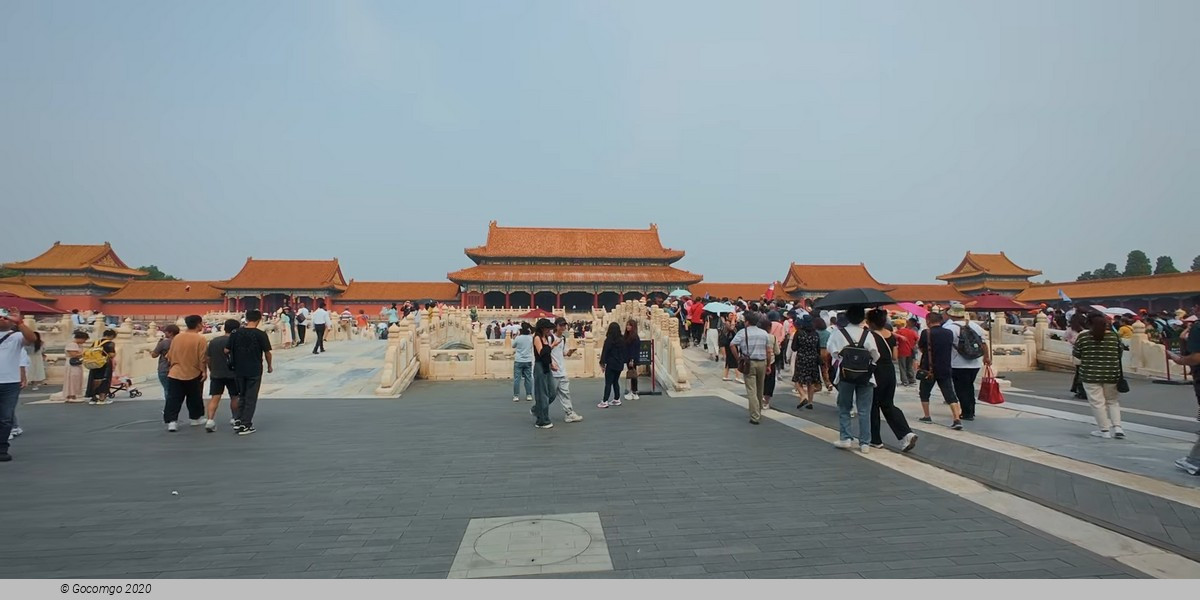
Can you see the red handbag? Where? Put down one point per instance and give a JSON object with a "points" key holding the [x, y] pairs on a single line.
{"points": [[989, 390]]}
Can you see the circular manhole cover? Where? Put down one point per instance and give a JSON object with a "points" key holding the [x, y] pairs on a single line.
{"points": [[533, 542]]}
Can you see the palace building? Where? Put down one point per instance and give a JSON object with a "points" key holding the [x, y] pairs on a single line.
{"points": [[270, 284], [78, 277], [569, 268], [979, 273]]}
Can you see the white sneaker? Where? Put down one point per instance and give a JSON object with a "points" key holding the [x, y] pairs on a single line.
{"points": [[844, 444], [629, 395], [516, 398], [864, 448], [574, 418], [210, 425], [172, 426], [197, 422], [529, 398], [1188, 466], [233, 422], [1102, 434], [16, 431], [636, 397], [908, 442], [1118, 432]]}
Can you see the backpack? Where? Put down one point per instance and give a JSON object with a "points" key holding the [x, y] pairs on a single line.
{"points": [[969, 345], [299, 318], [856, 364], [95, 357]]}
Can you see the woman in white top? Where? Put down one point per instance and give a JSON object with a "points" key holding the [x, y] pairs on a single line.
{"points": [[36, 374]]}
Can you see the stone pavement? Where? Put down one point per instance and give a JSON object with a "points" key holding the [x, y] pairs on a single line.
{"points": [[1136, 490], [682, 487]]}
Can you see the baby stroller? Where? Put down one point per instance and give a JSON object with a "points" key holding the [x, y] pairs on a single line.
{"points": [[122, 384]]}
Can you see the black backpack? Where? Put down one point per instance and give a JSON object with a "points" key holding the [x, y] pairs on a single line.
{"points": [[856, 363], [970, 345]]}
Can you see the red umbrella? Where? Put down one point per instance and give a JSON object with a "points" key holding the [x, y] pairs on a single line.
{"points": [[537, 313], [993, 302], [10, 301]]}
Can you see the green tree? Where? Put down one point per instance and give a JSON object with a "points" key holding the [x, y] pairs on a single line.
{"points": [[1086, 276], [1137, 264], [1108, 272], [1196, 264], [13, 273], [154, 274], [1164, 264]]}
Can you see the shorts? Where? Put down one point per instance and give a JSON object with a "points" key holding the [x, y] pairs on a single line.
{"points": [[218, 385]]}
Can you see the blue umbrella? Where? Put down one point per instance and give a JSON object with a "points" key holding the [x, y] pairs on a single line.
{"points": [[680, 293], [718, 307]]}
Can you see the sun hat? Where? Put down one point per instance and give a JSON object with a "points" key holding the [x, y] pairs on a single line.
{"points": [[957, 310]]}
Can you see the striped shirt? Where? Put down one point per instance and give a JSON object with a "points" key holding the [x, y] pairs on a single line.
{"points": [[752, 343], [1100, 361]]}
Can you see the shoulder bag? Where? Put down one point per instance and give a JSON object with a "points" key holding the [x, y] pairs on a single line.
{"points": [[1122, 383]]}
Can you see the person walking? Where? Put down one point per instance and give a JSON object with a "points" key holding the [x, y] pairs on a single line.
{"points": [[285, 328], [906, 349], [187, 365], [856, 352], [558, 370], [73, 378], [936, 344], [807, 373], [14, 337], [346, 323], [824, 333], [221, 377], [36, 374], [729, 329], [754, 344], [1189, 356], [612, 360], [100, 377], [883, 399], [246, 348], [767, 325], [969, 354], [544, 386], [523, 363], [633, 348], [320, 322], [160, 352], [302, 316], [695, 319], [1099, 353], [712, 335], [363, 324]]}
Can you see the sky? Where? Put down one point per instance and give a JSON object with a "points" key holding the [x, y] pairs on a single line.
{"points": [[387, 134]]}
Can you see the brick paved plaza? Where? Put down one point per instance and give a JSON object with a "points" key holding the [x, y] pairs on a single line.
{"points": [[683, 487]]}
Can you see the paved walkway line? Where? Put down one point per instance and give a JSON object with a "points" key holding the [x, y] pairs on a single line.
{"points": [[1135, 554], [1137, 411]]}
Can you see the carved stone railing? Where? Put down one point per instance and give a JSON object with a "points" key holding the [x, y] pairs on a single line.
{"points": [[1142, 356]]}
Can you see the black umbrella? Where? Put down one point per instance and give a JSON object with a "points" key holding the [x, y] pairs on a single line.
{"points": [[843, 299]]}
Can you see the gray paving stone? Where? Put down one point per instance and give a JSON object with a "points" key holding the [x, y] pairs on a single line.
{"points": [[387, 493]]}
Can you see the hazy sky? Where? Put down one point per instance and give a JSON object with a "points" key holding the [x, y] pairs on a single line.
{"points": [[388, 133]]}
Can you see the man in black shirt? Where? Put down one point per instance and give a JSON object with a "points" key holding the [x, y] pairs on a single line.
{"points": [[247, 347], [936, 344]]}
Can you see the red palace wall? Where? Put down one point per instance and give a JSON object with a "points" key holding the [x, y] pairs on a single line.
{"points": [[83, 303], [172, 311]]}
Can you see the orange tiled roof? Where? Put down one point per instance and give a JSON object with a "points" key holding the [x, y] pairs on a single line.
{"points": [[199, 291], [659, 275], [733, 291], [926, 292], [399, 291], [524, 242], [18, 287], [973, 265], [1179, 285], [996, 285], [69, 257], [69, 281], [825, 278], [287, 275]]}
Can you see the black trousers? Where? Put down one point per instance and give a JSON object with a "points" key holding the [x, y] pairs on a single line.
{"points": [[612, 379], [248, 401], [945, 384], [964, 390], [884, 402], [696, 329], [180, 391], [320, 331], [632, 374], [300, 331], [769, 383]]}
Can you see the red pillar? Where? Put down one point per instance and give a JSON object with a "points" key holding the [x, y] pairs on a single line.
{"points": [[507, 301], [558, 300], [595, 299]]}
